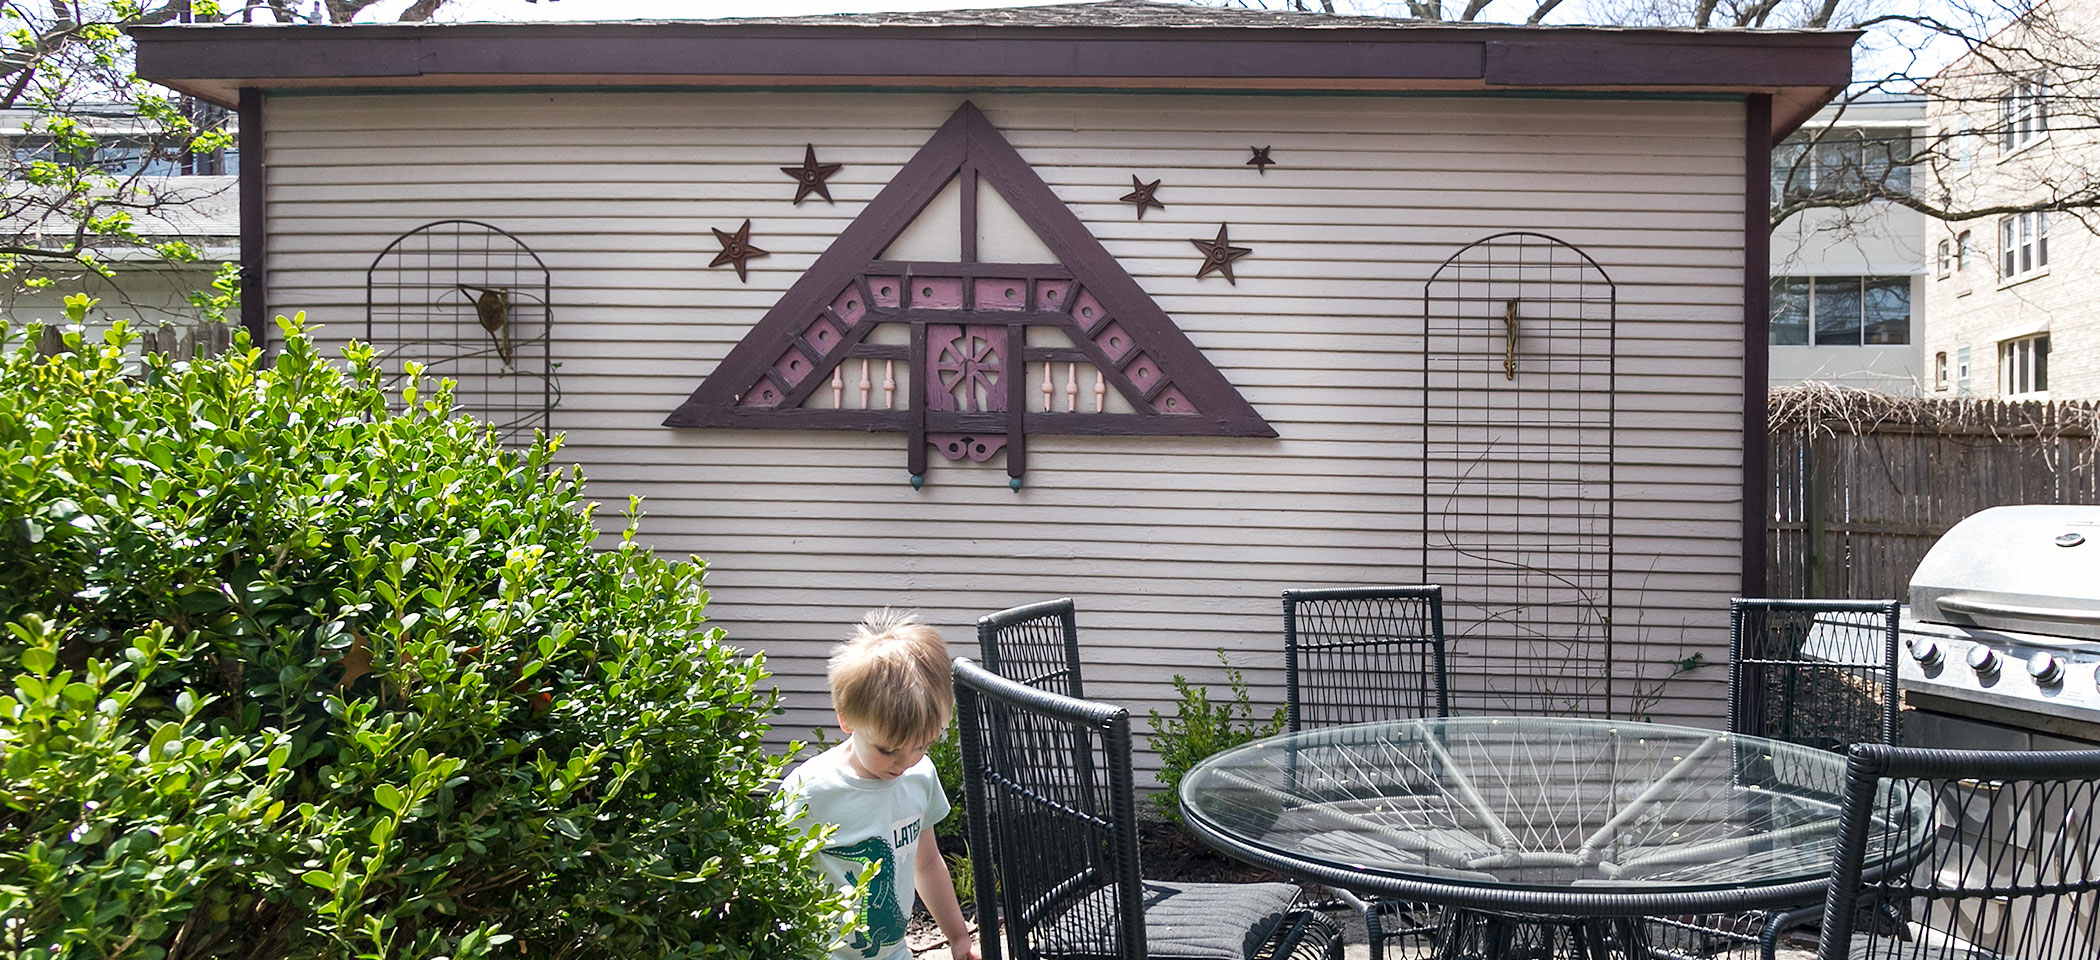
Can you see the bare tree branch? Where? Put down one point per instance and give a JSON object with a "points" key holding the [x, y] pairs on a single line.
{"points": [[421, 10], [91, 181]]}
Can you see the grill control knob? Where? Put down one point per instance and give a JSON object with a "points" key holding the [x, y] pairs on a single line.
{"points": [[1927, 652], [1983, 660], [2046, 668]]}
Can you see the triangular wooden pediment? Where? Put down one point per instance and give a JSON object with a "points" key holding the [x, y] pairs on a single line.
{"points": [[972, 356]]}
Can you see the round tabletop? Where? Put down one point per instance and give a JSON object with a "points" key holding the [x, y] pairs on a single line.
{"points": [[1536, 814]]}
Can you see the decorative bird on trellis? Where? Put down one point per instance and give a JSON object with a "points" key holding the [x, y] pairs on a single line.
{"points": [[492, 308]]}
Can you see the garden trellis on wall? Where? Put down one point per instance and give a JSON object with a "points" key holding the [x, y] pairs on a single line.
{"points": [[1518, 416], [470, 302]]}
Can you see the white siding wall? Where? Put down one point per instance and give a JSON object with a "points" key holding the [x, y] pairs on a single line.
{"points": [[1172, 547]]}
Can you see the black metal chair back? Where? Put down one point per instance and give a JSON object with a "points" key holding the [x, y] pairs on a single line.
{"points": [[1037, 644], [1052, 818], [1357, 654], [1820, 673], [2013, 873]]}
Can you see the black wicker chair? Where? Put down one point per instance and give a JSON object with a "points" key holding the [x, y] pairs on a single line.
{"points": [[1819, 673], [1053, 842], [1037, 644], [1359, 654], [2013, 874]]}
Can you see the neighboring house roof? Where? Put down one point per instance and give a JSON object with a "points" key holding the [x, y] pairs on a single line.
{"points": [[199, 208], [1125, 44]]}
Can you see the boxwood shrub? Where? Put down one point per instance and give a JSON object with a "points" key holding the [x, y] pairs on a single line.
{"points": [[297, 666]]}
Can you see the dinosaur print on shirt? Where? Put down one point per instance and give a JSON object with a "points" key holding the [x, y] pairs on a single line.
{"points": [[886, 920]]}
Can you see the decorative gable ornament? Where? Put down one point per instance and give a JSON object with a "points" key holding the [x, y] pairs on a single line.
{"points": [[987, 351]]}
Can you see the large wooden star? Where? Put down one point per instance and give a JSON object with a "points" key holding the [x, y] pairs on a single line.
{"points": [[810, 176], [1218, 256], [736, 248], [1141, 194], [1260, 161]]}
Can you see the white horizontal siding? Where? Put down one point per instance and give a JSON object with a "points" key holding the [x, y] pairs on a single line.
{"points": [[1173, 547]]}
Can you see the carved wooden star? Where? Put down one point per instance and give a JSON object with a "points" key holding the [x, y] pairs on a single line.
{"points": [[810, 176], [1141, 194], [1218, 256], [1260, 161], [736, 248]]}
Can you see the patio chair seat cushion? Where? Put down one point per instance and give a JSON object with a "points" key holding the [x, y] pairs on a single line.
{"points": [[1183, 921]]}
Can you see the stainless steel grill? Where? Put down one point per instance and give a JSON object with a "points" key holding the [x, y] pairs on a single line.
{"points": [[2003, 631], [2001, 647]]}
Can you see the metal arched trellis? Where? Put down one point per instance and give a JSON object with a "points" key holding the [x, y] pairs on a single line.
{"points": [[470, 302], [1518, 418]]}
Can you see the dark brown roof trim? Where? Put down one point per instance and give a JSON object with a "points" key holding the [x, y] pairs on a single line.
{"points": [[1800, 69]]}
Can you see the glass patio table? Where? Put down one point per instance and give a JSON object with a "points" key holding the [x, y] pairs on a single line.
{"points": [[1537, 816]]}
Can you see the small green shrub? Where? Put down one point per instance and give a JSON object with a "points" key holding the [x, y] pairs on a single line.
{"points": [[298, 667], [947, 763], [1201, 727]]}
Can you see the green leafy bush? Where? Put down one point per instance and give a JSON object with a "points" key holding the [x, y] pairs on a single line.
{"points": [[296, 667], [1201, 727], [946, 754]]}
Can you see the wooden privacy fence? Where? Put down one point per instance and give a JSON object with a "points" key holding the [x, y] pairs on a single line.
{"points": [[180, 341], [1863, 483]]}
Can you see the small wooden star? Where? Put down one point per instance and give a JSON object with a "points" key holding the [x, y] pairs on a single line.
{"points": [[810, 176], [736, 248], [1218, 256], [1260, 161], [1141, 194]]}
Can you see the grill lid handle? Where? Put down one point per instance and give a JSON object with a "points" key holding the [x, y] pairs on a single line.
{"points": [[1961, 603]]}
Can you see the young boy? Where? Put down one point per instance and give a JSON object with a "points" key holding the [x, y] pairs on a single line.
{"points": [[890, 686]]}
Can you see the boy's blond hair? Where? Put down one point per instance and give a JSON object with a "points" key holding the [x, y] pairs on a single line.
{"points": [[890, 680]]}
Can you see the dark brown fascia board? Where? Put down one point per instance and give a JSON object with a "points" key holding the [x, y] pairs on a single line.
{"points": [[1801, 69]]}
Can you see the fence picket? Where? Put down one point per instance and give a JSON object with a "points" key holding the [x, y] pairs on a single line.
{"points": [[1862, 489]]}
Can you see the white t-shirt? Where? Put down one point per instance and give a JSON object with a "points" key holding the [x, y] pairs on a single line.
{"points": [[879, 821]]}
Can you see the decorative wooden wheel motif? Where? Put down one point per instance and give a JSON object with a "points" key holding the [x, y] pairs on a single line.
{"points": [[969, 364]]}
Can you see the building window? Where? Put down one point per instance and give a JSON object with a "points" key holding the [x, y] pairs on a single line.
{"points": [[1964, 244], [1946, 258], [1840, 311], [1961, 372], [2023, 114], [1842, 161], [2023, 365], [1939, 370], [2023, 244]]}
